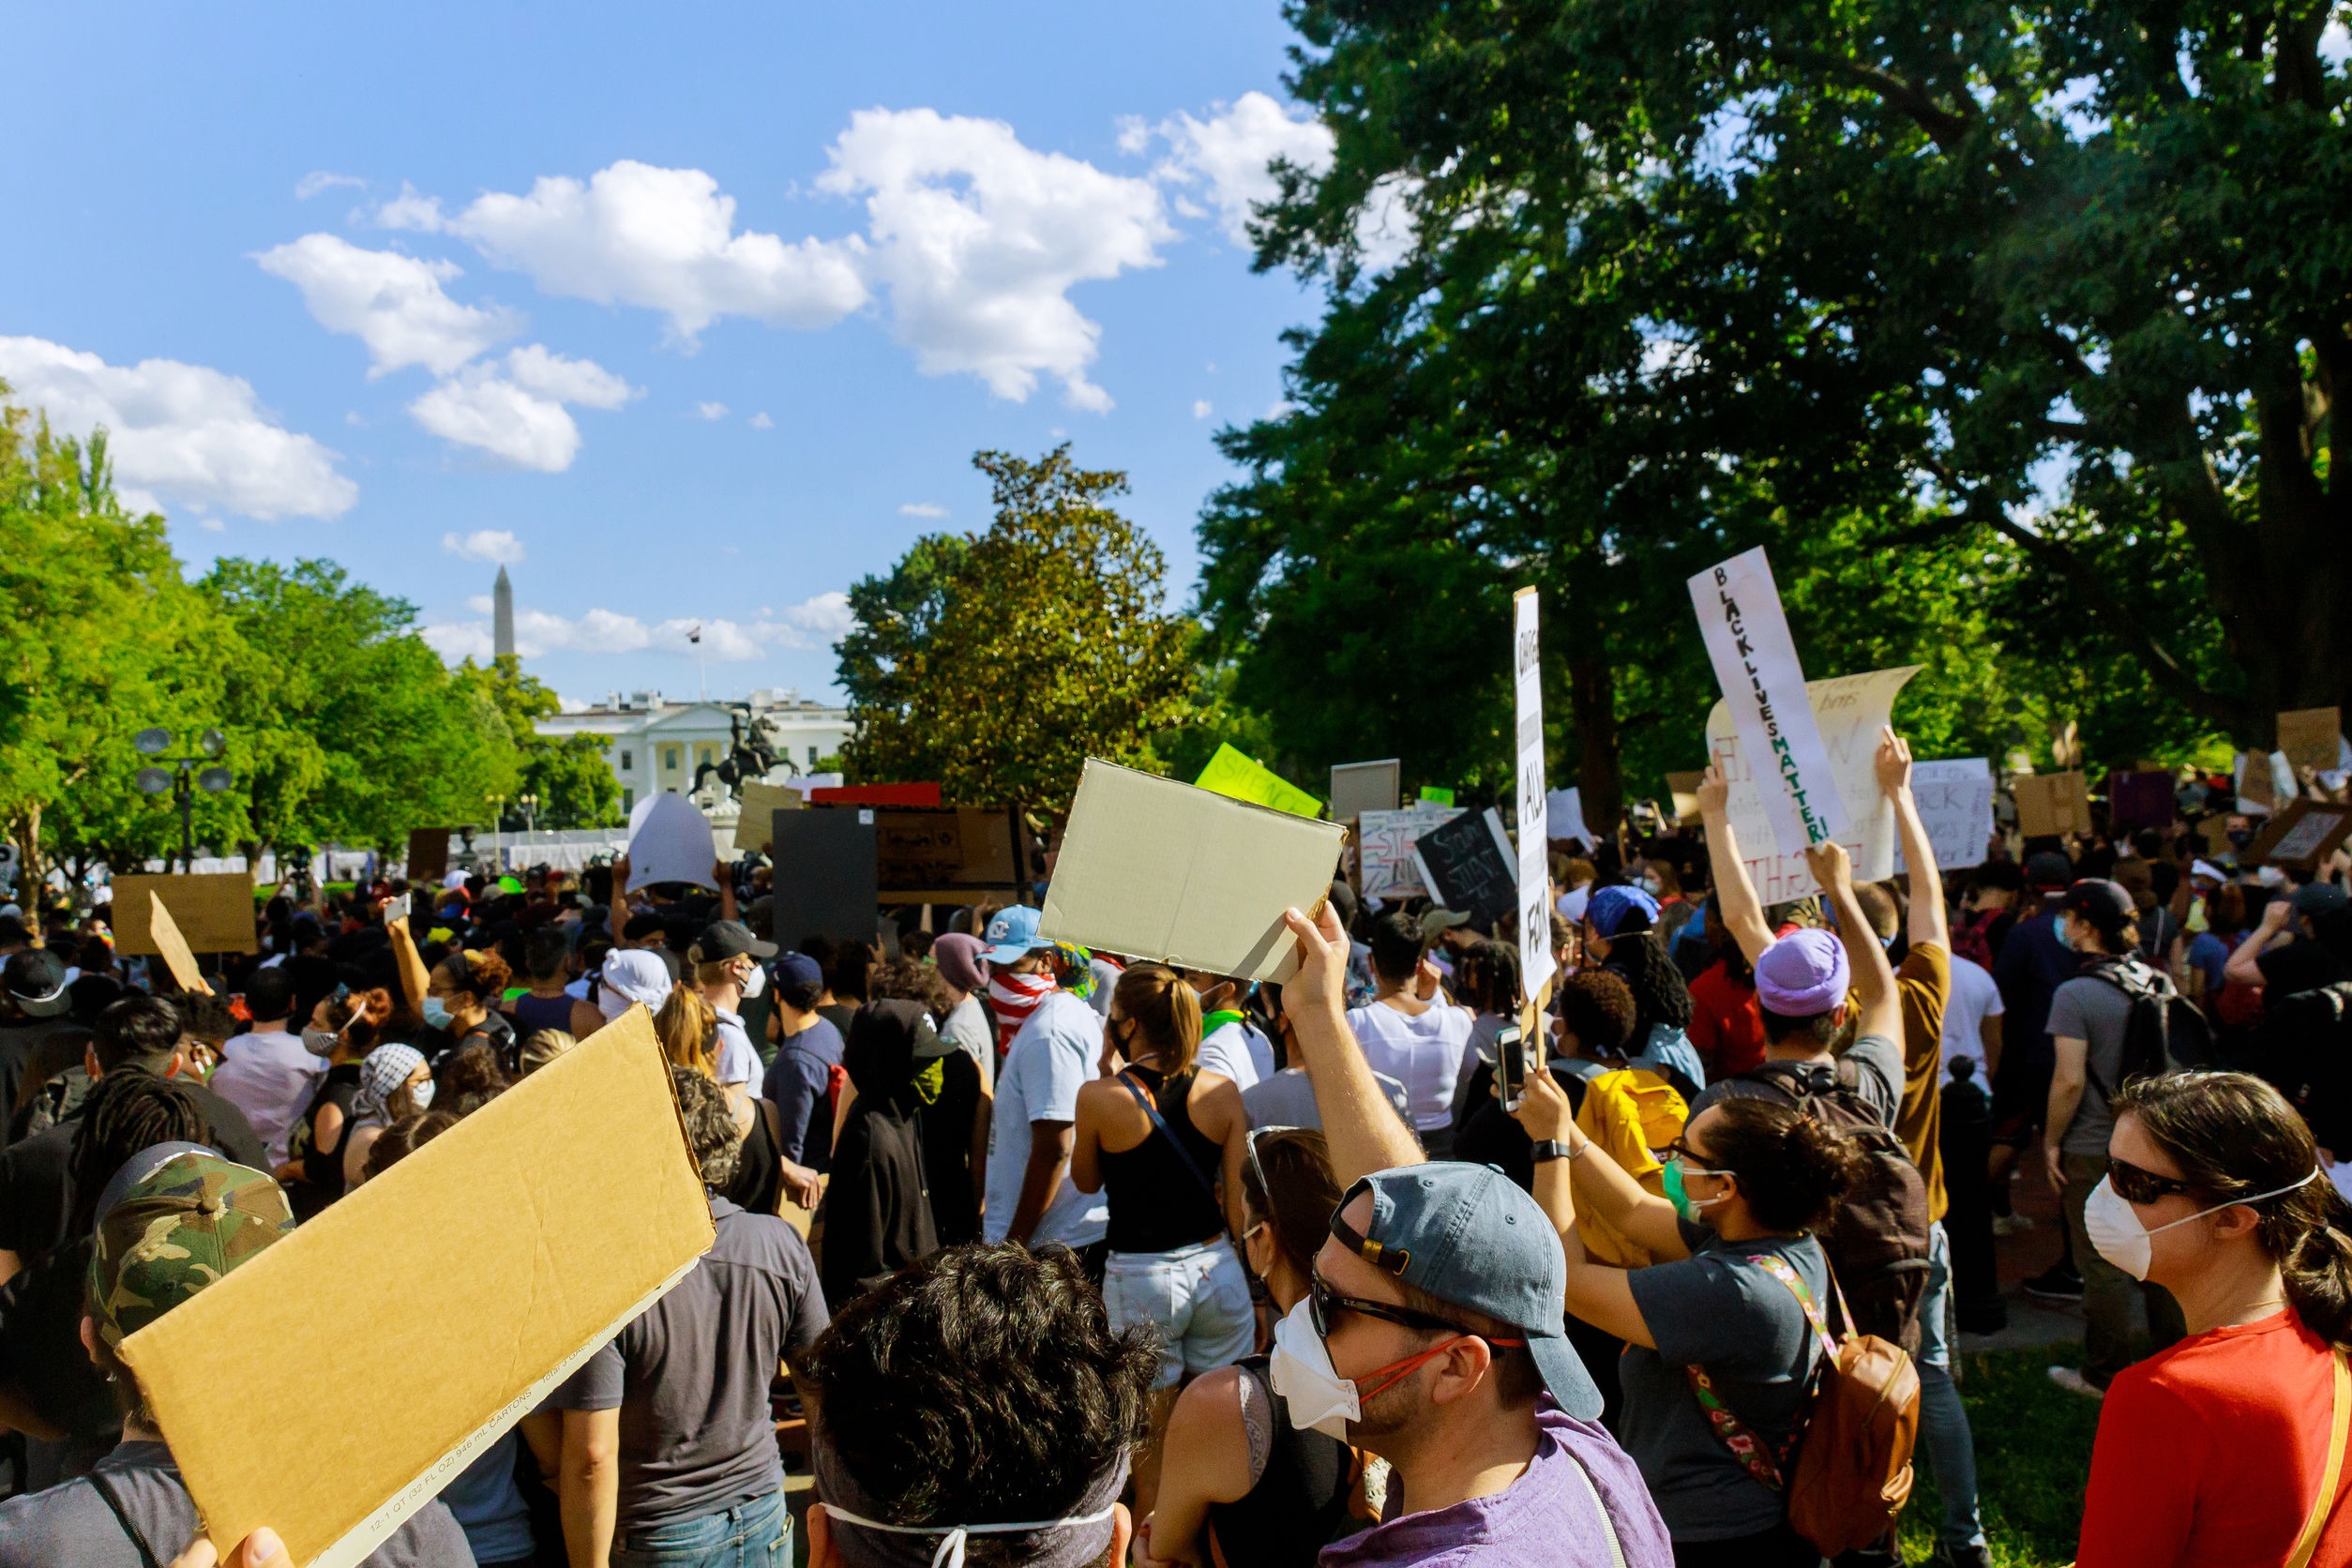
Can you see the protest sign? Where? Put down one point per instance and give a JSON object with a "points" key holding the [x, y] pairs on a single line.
{"points": [[1468, 865], [1384, 845], [1756, 663], [825, 881], [756, 807], [1683, 788], [521, 1193], [670, 841], [1435, 795], [874, 795], [2140, 799], [213, 909], [1848, 713], [2050, 804], [172, 947], [1563, 816], [428, 854], [1155, 868], [1240, 776], [2253, 784], [1360, 787], [2311, 738], [2304, 832], [1956, 805], [1534, 911], [955, 854]]}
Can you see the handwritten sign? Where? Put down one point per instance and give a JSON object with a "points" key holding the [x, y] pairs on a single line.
{"points": [[2309, 737], [1847, 713], [2302, 835], [1756, 663], [1956, 805], [1240, 776], [1466, 865], [1535, 888], [1385, 842]]}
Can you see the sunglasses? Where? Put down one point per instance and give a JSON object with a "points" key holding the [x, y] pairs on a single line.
{"points": [[2135, 1186], [1323, 1302], [1249, 1152]]}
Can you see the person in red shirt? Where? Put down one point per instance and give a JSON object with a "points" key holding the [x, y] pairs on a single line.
{"points": [[2227, 1450], [1725, 1029]]}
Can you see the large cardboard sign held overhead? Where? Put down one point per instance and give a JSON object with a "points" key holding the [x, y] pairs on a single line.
{"points": [[174, 948], [757, 804], [1384, 849], [1955, 803], [670, 841], [1747, 640], [2302, 835], [952, 854], [506, 1225], [823, 879], [1360, 787], [2141, 799], [2051, 803], [2312, 738], [1243, 777], [1533, 914], [213, 910], [428, 854], [1847, 714], [1155, 868], [1682, 789], [1469, 865]]}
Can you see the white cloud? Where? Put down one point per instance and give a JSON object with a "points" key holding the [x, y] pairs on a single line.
{"points": [[318, 180], [518, 415], [711, 410], [409, 210], [663, 239], [814, 622], [1228, 154], [922, 509], [392, 303], [761, 421], [978, 240], [180, 432], [212, 525], [1201, 409], [487, 545]]}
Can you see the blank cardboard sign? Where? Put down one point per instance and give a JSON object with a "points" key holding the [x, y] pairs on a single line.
{"points": [[1360, 787], [213, 910], [2308, 736], [172, 947], [2051, 803], [1155, 868], [477, 1272], [757, 805]]}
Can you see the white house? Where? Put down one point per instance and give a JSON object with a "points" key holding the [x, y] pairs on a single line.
{"points": [[652, 745]]}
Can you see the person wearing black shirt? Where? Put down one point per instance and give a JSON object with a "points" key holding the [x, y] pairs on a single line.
{"points": [[37, 1005]]}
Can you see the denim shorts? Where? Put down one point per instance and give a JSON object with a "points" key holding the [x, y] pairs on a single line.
{"points": [[1197, 1297], [749, 1535], [1935, 1304]]}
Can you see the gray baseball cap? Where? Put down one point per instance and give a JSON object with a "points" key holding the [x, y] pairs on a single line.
{"points": [[1466, 1235]]}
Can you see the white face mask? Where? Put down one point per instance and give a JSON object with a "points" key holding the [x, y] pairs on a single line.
{"points": [[421, 1094], [321, 1042], [755, 982], [2117, 1234], [1320, 1399]]}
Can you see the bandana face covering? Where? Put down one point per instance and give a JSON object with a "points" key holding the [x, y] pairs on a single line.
{"points": [[951, 1549], [1075, 1540]]}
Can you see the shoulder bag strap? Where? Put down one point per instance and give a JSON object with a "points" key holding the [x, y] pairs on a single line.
{"points": [[1754, 1453], [115, 1504], [1778, 1268], [2325, 1505], [1158, 1122], [1608, 1526]]}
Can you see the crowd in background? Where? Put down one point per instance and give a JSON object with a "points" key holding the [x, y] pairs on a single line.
{"points": [[1065, 1258]]}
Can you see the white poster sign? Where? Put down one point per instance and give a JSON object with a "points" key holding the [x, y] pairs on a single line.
{"points": [[670, 841], [1756, 664], [1384, 842], [1563, 816], [1535, 900], [1955, 803], [1847, 715]]}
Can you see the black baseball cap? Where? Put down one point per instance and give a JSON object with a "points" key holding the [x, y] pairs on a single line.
{"points": [[722, 940], [2049, 869], [36, 980], [2104, 904]]}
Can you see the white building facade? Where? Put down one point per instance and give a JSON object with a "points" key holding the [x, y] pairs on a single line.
{"points": [[654, 746]]}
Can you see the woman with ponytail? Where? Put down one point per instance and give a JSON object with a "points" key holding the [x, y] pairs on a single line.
{"points": [[343, 1030], [2229, 1447], [1163, 1137]]}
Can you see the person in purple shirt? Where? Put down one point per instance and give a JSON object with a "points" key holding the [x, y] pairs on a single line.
{"points": [[1432, 1337]]}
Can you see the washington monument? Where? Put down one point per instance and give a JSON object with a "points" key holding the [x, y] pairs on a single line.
{"points": [[503, 616]]}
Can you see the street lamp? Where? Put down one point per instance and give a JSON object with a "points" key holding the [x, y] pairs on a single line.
{"points": [[182, 777], [529, 800], [497, 820]]}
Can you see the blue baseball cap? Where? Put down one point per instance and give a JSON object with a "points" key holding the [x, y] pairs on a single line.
{"points": [[796, 969], [1607, 910], [1012, 936], [1466, 1235]]}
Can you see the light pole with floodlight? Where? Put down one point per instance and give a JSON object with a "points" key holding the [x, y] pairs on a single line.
{"points": [[180, 775]]}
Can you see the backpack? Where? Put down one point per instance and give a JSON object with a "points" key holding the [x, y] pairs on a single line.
{"points": [[1630, 1113], [2165, 1030], [1852, 1473], [1878, 1238], [2303, 1049]]}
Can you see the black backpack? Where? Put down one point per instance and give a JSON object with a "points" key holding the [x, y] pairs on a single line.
{"points": [[2165, 1030], [2303, 1049], [1878, 1239]]}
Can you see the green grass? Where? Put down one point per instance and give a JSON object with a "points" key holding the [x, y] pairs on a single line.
{"points": [[2032, 1457]]}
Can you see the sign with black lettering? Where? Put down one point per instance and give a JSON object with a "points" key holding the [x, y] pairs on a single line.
{"points": [[1468, 865]]}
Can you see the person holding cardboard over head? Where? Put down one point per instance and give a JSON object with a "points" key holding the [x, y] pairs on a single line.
{"points": [[668, 1450], [171, 1222], [1054, 1052]]}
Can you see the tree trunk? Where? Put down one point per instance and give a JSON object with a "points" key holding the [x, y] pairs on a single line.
{"points": [[25, 829], [1592, 704]]}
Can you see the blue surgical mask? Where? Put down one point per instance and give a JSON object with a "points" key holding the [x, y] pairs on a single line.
{"points": [[436, 1013], [2057, 923]]}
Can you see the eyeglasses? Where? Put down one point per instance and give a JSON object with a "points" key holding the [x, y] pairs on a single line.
{"points": [[1322, 1300], [2135, 1185], [1249, 1151]]}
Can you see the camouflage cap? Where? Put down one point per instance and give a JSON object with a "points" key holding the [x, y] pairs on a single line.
{"points": [[190, 1220]]}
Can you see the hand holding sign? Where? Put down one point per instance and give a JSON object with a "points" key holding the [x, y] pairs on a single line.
{"points": [[1715, 792], [1894, 761], [1831, 867]]}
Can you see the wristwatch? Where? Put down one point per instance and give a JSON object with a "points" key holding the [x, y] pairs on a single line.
{"points": [[1552, 1149]]}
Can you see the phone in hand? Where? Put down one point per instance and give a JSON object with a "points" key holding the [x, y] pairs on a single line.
{"points": [[395, 910], [1512, 1061]]}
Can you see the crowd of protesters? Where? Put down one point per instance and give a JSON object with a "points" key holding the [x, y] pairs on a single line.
{"points": [[1058, 1257]]}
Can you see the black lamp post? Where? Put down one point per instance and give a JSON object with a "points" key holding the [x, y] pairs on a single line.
{"points": [[180, 775]]}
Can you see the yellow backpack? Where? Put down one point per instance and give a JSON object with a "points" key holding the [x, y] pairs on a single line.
{"points": [[1631, 1113]]}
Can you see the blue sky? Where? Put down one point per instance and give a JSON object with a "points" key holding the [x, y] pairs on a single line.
{"points": [[437, 285]]}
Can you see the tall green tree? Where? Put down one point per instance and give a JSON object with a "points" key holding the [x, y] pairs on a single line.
{"points": [[997, 663], [572, 782]]}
